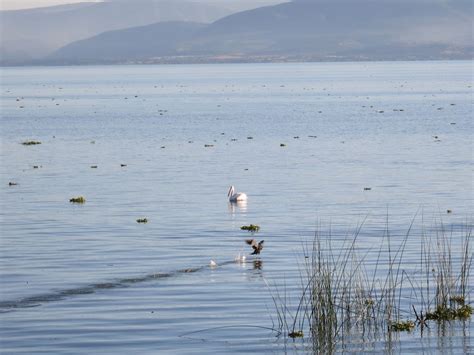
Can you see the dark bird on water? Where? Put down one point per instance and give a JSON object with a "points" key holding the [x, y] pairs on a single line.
{"points": [[257, 247]]}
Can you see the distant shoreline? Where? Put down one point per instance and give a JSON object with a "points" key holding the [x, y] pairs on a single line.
{"points": [[235, 60]]}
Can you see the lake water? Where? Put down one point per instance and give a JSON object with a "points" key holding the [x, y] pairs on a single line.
{"points": [[363, 142]]}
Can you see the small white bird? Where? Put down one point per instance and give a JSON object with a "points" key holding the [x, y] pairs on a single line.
{"points": [[240, 258], [236, 196], [212, 263]]}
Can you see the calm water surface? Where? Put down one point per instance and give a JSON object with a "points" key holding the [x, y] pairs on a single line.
{"points": [[89, 279]]}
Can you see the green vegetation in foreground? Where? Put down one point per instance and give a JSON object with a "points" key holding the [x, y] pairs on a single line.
{"points": [[341, 293], [251, 228], [443, 313], [79, 199], [31, 142], [401, 326], [142, 220]]}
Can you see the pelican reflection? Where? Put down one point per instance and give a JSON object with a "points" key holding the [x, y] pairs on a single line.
{"points": [[239, 206]]}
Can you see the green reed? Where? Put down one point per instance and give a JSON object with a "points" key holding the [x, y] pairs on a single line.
{"points": [[346, 289]]}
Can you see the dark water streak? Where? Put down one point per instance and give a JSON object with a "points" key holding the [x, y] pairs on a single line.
{"points": [[35, 301]]}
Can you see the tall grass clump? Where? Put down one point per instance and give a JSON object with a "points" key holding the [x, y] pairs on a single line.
{"points": [[447, 274], [349, 291]]}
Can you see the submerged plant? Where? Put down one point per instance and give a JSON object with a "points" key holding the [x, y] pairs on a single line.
{"points": [[296, 334], [79, 199], [251, 228]]}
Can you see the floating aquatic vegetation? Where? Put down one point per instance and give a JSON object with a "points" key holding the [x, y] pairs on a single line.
{"points": [[142, 220], [251, 228], [464, 312], [402, 326], [443, 313], [79, 199], [31, 142]]}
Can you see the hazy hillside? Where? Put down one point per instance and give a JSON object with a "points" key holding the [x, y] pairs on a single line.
{"points": [[299, 30], [129, 44], [343, 28], [34, 33]]}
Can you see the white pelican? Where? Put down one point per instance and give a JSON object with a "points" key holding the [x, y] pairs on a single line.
{"points": [[236, 196]]}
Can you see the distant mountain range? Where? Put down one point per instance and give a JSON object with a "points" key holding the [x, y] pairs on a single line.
{"points": [[132, 44], [297, 30], [32, 34]]}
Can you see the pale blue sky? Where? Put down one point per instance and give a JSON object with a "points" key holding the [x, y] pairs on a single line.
{"points": [[24, 4]]}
